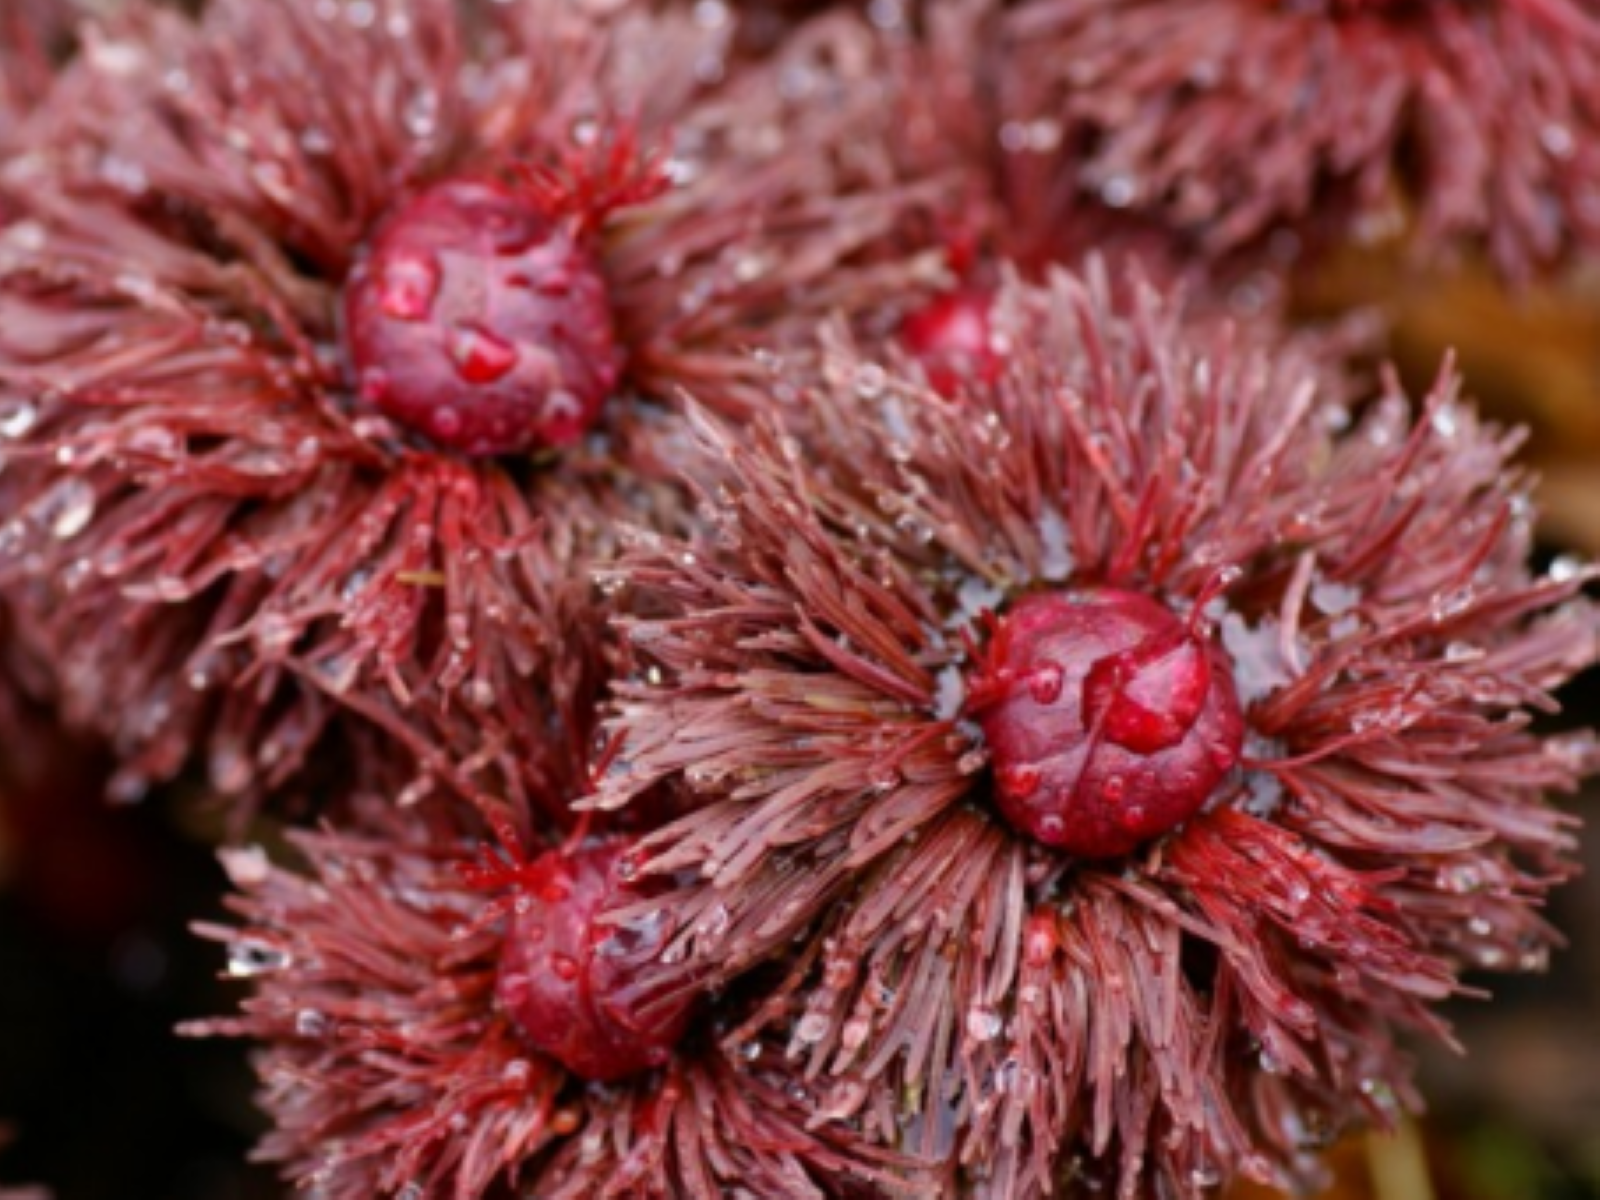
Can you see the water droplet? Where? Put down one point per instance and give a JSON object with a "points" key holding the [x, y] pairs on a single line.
{"points": [[1018, 780], [273, 633], [17, 419], [420, 113], [67, 508], [374, 385], [246, 866], [854, 1034], [1044, 685], [870, 381], [882, 776], [479, 694], [711, 14], [124, 174], [410, 283], [919, 530], [249, 957], [1446, 421], [1043, 135], [1451, 603], [1334, 598], [1557, 140], [315, 141], [984, 1024], [844, 1099], [444, 422], [308, 1022], [1118, 192], [565, 966], [480, 356], [1205, 1175], [1565, 568], [517, 1071], [715, 923], [1381, 1093], [813, 1027], [1056, 561], [747, 267]]}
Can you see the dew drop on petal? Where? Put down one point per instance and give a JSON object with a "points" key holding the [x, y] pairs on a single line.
{"points": [[1044, 685], [444, 422], [1205, 1176], [410, 283], [68, 507], [248, 958], [480, 356], [984, 1024], [813, 1027], [1019, 780], [1565, 568], [421, 113], [16, 420]]}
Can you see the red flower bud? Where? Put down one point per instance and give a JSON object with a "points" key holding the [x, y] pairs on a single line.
{"points": [[479, 321], [564, 983], [1109, 720], [952, 339]]}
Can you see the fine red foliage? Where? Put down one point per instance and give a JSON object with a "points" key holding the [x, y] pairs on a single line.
{"points": [[217, 544], [391, 1064], [1257, 126], [802, 697], [1224, 996]]}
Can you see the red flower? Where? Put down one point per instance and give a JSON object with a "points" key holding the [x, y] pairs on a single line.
{"points": [[395, 1059], [236, 513], [1244, 125], [918, 647]]}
